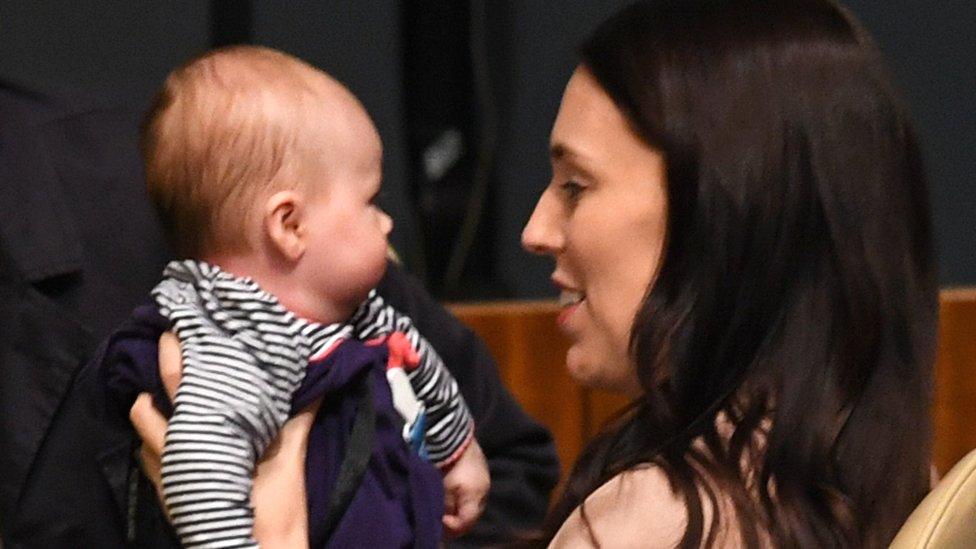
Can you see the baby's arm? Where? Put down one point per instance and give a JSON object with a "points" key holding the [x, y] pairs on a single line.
{"points": [[449, 425], [278, 494], [213, 442], [234, 396], [450, 429], [466, 484]]}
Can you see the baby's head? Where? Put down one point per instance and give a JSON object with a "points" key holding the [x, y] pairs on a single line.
{"points": [[263, 165]]}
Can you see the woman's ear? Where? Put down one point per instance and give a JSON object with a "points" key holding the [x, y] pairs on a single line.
{"points": [[284, 224]]}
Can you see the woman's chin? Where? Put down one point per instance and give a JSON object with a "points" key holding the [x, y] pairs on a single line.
{"points": [[586, 373], [580, 369], [575, 358], [596, 374]]}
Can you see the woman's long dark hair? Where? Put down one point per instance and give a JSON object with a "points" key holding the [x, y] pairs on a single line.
{"points": [[796, 303]]}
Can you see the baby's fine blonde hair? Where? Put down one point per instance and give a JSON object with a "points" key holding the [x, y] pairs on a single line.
{"points": [[225, 128]]}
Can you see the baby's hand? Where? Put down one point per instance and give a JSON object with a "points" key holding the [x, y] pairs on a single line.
{"points": [[466, 484]]}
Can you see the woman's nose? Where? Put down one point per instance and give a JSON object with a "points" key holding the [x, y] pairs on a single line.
{"points": [[542, 234]]}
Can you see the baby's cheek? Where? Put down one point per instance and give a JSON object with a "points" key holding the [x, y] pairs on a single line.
{"points": [[377, 269], [368, 273]]}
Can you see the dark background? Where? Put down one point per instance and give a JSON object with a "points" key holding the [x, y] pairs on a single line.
{"points": [[464, 94]]}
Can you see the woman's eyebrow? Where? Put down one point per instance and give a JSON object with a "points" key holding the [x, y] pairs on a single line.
{"points": [[559, 152]]}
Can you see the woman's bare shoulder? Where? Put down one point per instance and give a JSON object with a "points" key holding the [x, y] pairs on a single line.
{"points": [[636, 508]]}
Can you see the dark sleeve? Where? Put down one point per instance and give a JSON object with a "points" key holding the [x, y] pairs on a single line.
{"points": [[83, 488], [40, 352], [62, 467], [520, 452]]}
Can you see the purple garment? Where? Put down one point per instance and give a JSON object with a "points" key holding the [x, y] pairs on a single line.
{"points": [[400, 500]]}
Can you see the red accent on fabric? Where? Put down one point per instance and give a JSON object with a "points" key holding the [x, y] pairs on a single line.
{"points": [[402, 353]]}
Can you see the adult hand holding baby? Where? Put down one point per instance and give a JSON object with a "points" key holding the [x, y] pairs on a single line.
{"points": [[278, 494]]}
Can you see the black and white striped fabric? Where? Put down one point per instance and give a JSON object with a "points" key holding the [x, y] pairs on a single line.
{"points": [[448, 426], [244, 355]]}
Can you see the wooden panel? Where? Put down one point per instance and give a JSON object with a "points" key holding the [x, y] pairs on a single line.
{"points": [[530, 352], [955, 378]]}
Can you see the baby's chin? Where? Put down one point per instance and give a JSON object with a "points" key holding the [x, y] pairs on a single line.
{"points": [[351, 303], [343, 311], [346, 299]]}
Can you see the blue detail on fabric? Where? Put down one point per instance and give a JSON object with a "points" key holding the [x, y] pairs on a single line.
{"points": [[417, 441]]}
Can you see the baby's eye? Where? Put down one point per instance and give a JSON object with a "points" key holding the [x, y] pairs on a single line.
{"points": [[572, 189]]}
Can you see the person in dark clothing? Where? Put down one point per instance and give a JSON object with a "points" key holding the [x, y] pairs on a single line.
{"points": [[79, 249]]}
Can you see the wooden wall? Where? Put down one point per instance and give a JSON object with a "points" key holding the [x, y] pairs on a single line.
{"points": [[955, 378], [530, 352]]}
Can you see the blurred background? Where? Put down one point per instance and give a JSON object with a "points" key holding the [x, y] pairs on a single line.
{"points": [[464, 93]]}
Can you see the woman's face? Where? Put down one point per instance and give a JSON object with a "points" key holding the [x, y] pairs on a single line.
{"points": [[603, 218]]}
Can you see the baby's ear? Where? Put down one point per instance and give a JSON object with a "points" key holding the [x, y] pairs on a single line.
{"points": [[284, 224]]}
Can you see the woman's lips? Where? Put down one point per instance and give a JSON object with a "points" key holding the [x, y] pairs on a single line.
{"points": [[564, 315], [569, 301]]}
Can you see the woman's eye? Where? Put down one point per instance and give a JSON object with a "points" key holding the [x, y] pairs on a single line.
{"points": [[571, 189], [377, 198]]}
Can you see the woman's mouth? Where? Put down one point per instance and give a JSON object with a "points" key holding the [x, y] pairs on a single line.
{"points": [[569, 301]]}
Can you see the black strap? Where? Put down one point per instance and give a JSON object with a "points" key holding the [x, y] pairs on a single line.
{"points": [[354, 462]]}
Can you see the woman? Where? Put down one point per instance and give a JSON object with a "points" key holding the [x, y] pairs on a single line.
{"points": [[740, 226]]}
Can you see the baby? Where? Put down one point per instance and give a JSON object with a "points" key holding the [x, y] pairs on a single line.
{"points": [[264, 171]]}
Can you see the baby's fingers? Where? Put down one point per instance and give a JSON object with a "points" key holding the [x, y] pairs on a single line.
{"points": [[461, 512]]}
